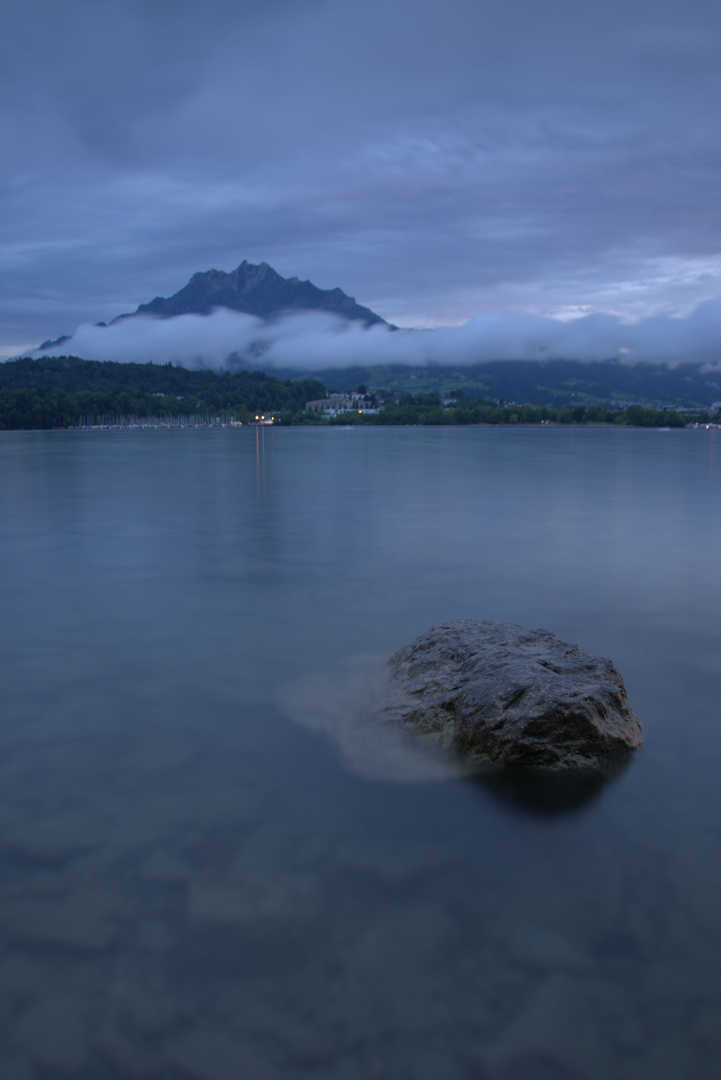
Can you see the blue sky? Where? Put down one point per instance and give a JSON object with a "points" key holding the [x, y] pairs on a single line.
{"points": [[434, 160]]}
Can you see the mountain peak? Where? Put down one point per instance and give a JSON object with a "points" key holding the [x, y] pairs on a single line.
{"points": [[256, 289]]}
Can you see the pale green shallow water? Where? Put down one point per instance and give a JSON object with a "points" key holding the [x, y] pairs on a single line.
{"points": [[194, 886]]}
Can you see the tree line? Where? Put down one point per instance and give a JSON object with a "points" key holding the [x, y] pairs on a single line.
{"points": [[63, 392], [427, 409]]}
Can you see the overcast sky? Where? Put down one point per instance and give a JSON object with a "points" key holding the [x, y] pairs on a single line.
{"points": [[434, 159]]}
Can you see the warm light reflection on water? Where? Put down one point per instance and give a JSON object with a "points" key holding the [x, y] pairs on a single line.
{"points": [[195, 885]]}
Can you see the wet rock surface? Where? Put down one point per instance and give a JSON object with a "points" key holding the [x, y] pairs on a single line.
{"points": [[498, 693]]}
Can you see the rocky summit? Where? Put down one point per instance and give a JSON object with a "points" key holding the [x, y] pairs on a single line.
{"points": [[501, 694], [256, 289]]}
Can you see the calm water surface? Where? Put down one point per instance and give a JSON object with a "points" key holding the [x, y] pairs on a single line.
{"points": [[194, 886]]}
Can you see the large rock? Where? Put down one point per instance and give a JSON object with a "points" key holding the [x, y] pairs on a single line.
{"points": [[498, 693]]}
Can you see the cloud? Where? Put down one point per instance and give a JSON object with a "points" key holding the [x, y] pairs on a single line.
{"points": [[314, 341], [433, 159]]}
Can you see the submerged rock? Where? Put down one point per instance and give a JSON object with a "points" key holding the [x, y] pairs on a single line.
{"points": [[500, 694]]}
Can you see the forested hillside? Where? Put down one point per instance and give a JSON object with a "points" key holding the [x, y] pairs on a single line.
{"points": [[64, 391], [550, 383]]}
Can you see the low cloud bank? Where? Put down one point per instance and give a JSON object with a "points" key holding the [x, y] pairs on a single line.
{"points": [[313, 341]]}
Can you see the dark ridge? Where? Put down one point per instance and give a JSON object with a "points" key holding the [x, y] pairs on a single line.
{"points": [[72, 375], [551, 383], [255, 290]]}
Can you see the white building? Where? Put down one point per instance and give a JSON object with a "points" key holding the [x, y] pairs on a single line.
{"points": [[339, 403]]}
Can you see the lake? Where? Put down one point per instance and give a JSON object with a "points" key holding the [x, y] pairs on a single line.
{"points": [[195, 884]]}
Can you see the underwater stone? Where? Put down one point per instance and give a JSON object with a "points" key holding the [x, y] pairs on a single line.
{"points": [[85, 920], [54, 839], [216, 1054], [498, 693], [54, 1031]]}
